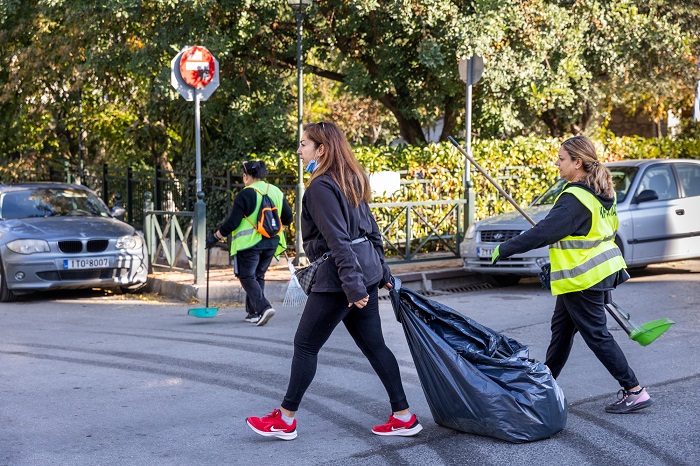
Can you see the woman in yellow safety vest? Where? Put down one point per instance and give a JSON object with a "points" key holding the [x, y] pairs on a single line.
{"points": [[586, 265], [252, 252]]}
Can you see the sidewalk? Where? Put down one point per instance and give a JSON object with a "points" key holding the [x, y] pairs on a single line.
{"points": [[425, 276]]}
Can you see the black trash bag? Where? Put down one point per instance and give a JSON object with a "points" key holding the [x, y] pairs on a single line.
{"points": [[476, 380]]}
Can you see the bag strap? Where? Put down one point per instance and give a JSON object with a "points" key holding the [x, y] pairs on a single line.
{"points": [[267, 187], [326, 255]]}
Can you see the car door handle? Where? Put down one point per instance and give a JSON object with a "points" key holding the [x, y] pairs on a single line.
{"points": [[680, 211]]}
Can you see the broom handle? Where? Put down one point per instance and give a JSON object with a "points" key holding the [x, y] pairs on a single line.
{"points": [[493, 182], [208, 256]]}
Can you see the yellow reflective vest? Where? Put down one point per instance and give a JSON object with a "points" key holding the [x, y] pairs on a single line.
{"points": [[579, 262], [245, 235]]}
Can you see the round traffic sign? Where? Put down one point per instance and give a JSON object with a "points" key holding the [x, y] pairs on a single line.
{"points": [[197, 66]]}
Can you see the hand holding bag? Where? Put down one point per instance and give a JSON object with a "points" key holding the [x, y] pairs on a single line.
{"points": [[307, 275]]}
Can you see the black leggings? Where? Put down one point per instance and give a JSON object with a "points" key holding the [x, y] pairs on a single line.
{"points": [[584, 312], [322, 313]]}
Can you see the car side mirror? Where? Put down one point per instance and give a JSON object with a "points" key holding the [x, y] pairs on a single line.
{"points": [[646, 196], [118, 212]]}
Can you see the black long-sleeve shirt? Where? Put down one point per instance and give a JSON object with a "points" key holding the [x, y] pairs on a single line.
{"points": [[568, 217], [243, 206]]}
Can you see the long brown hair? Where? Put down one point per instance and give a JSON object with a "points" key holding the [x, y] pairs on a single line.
{"points": [[339, 162], [598, 177]]}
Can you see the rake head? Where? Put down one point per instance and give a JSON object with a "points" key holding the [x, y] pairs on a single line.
{"points": [[295, 296]]}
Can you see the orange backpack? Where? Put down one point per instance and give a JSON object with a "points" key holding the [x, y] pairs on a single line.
{"points": [[268, 223]]}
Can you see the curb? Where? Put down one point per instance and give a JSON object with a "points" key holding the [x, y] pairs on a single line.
{"points": [[230, 290]]}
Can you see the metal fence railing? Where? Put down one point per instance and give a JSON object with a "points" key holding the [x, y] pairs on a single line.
{"points": [[162, 204]]}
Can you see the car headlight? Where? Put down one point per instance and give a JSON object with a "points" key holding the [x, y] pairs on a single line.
{"points": [[28, 246], [129, 242], [471, 232]]}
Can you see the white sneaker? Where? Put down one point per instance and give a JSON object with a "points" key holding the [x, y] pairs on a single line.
{"points": [[252, 318], [265, 317]]}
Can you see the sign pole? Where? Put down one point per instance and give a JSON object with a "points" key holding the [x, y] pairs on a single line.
{"points": [[198, 141], [195, 75], [470, 70], [468, 191]]}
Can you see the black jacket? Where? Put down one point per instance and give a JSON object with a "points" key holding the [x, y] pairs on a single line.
{"points": [[330, 223], [568, 217]]}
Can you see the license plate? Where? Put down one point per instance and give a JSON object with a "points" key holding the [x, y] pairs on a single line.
{"points": [[484, 252], [94, 263]]}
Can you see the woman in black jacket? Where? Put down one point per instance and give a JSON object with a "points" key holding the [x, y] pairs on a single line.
{"points": [[336, 218]]}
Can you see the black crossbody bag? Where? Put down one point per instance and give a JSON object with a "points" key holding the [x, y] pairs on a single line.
{"points": [[306, 276]]}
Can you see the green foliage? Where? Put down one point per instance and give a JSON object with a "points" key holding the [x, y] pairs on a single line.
{"points": [[90, 81], [565, 65]]}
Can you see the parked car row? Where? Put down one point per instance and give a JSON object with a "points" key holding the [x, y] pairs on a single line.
{"points": [[659, 221], [63, 236]]}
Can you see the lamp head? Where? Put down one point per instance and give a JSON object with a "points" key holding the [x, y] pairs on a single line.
{"points": [[299, 5]]}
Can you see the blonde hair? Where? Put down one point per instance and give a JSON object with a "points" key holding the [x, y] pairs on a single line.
{"points": [[339, 162], [598, 177]]}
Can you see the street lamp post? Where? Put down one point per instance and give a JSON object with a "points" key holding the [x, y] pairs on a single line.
{"points": [[298, 6]]}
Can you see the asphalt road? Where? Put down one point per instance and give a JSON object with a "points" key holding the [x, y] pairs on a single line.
{"points": [[95, 379]]}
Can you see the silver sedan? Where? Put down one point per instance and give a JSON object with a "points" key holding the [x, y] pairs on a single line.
{"points": [[62, 236], [658, 206]]}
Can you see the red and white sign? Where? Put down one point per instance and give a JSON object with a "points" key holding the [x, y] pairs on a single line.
{"points": [[194, 72], [197, 66]]}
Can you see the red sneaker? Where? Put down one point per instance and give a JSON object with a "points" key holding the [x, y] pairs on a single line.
{"points": [[272, 425], [396, 426]]}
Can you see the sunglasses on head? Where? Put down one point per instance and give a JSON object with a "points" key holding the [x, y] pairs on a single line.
{"points": [[246, 165]]}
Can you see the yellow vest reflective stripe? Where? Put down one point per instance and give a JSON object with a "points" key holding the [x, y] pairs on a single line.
{"points": [[579, 262], [245, 235]]}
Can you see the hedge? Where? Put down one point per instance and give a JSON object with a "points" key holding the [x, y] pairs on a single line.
{"points": [[524, 166]]}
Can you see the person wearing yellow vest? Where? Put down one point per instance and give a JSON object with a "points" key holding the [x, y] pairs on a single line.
{"points": [[586, 265], [252, 252]]}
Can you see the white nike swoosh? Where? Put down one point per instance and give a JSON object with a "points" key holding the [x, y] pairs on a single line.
{"points": [[400, 428], [275, 429], [629, 403]]}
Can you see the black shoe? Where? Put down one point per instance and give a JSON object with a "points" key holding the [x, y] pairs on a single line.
{"points": [[629, 402], [252, 318]]}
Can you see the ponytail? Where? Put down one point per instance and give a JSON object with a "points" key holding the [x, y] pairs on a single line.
{"points": [[599, 179]]}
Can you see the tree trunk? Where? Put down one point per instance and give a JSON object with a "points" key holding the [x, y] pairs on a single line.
{"points": [[449, 117], [410, 128], [551, 119]]}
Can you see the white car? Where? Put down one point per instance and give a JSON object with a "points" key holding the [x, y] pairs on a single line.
{"points": [[658, 206]]}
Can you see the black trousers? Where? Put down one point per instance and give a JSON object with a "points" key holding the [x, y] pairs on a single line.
{"points": [[323, 312], [584, 312], [250, 266]]}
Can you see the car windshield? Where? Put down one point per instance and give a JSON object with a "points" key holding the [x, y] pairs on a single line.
{"points": [[622, 178], [551, 194], [50, 202]]}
